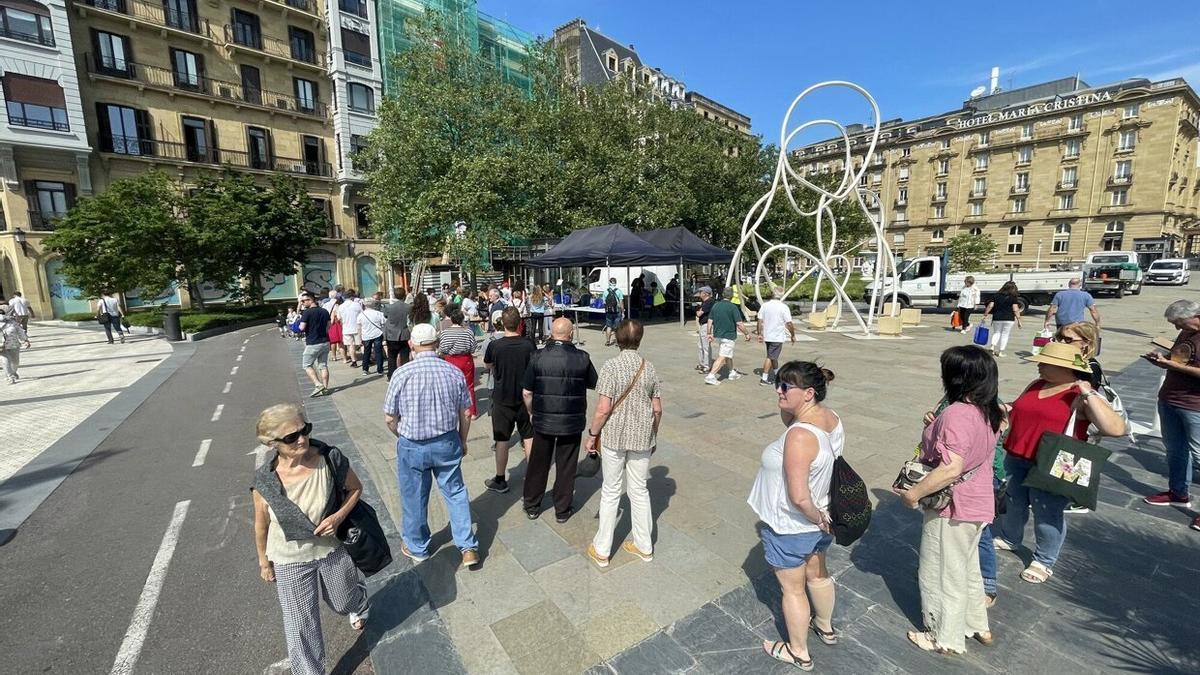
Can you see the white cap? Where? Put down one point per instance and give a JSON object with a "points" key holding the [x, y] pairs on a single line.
{"points": [[424, 334]]}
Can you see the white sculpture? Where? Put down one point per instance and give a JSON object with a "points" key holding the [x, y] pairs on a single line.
{"points": [[825, 258]]}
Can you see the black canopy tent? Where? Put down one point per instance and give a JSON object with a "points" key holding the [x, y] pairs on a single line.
{"points": [[688, 248]]}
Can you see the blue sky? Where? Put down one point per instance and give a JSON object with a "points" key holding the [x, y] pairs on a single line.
{"points": [[916, 58]]}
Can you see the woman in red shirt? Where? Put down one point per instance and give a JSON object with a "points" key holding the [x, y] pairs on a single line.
{"points": [[1046, 405]]}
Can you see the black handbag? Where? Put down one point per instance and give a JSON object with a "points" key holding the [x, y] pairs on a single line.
{"points": [[361, 533], [589, 466]]}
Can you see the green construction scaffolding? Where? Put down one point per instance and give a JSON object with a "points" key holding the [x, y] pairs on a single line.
{"points": [[495, 40]]}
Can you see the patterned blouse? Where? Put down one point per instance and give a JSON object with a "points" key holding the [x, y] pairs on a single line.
{"points": [[630, 427]]}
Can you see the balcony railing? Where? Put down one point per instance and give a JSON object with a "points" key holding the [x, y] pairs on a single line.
{"points": [[43, 222], [33, 123], [1066, 185], [1019, 190], [165, 78], [1121, 180], [156, 14], [133, 146], [978, 194], [302, 5], [938, 199], [247, 38], [43, 40]]}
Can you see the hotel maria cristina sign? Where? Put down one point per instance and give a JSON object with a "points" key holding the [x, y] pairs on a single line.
{"points": [[1034, 109]]}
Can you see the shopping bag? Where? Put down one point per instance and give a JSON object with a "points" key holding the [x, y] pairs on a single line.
{"points": [[1068, 467], [1041, 340], [955, 319], [981, 335]]}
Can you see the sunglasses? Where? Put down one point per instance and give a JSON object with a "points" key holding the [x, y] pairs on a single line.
{"points": [[784, 387], [291, 438], [1070, 340]]}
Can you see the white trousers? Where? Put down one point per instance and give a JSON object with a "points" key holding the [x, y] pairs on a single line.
{"points": [[624, 471], [705, 347], [1001, 331], [11, 358], [952, 598]]}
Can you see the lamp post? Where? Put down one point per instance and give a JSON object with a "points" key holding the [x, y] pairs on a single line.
{"points": [[1038, 266]]}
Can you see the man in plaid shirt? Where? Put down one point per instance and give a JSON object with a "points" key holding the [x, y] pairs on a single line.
{"points": [[427, 407]]}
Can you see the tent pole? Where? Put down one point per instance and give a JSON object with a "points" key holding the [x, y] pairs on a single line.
{"points": [[681, 321]]}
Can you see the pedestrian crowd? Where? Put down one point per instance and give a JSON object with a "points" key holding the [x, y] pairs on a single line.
{"points": [[979, 473]]}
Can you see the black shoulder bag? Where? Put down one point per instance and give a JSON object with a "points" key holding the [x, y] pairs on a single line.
{"points": [[361, 533]]}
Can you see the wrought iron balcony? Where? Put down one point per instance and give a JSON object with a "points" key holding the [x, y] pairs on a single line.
{"points": [[1064, 185], [155, 14], [938, 199], [173, 151], [978, 194], [1019, 190], [201, 86], [1120, 180], [243, 37], [43, 222]]}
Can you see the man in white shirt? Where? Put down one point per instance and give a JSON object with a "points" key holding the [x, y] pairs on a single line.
{"points": [[370, 323], [349, 311], [774, 328], [20, 309]]}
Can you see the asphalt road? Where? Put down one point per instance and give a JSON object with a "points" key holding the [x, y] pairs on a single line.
{"points": [[71, 579]]}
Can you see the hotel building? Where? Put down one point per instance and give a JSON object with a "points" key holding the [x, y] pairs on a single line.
{"points": [[1051, 172]]}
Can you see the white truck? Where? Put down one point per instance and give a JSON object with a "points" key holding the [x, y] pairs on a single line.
{"points": [[597, 280], [1115, 272], [926, 282]]}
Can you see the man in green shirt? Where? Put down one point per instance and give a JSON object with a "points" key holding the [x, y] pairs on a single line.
{"points": [[725, 321]]}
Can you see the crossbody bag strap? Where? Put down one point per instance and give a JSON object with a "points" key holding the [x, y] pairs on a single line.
{"points": [[632, 383]]}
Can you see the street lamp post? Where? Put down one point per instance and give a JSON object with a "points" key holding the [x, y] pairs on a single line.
{"points": [[1038, 266]]}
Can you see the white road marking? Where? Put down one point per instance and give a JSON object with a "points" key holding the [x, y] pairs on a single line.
{"points": [[217, 413], [233, 371], [247, 339], [228, 386], [135, 636], [239, 358], [202, 452], [243, 348]]}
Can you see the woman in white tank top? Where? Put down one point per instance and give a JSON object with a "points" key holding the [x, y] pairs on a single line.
{"points": [[791, 496]]}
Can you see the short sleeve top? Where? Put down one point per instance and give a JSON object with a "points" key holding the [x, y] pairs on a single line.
{"points": [[630, 427]]}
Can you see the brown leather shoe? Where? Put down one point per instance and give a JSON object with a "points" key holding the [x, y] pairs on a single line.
{"points": [[984, 639], [470, 558]]}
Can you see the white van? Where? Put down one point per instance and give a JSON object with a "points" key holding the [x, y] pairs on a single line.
{"points": [[597, 280], [1168, 271]]}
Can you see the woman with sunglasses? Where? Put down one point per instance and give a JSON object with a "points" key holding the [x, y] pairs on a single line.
{"points": [[296, 518], [1084, 336], [791, 497]]}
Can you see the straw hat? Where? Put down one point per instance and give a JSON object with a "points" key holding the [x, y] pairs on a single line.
{"points": [[1062, 355]]}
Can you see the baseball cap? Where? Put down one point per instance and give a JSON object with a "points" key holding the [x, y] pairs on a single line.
{"points": [[424, 334], [704, 289]]}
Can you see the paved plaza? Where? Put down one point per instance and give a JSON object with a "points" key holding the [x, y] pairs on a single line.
{"points": [[537, 605]]}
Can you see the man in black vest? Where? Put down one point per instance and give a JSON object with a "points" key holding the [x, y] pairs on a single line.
{"points": [[555, 393]]}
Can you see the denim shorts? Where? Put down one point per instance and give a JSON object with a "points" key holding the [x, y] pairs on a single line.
{"points": [[611, 320], [315, 356], [787, 551]]}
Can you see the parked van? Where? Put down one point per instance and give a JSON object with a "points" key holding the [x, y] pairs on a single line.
{"points": [[1168, 271], [597, 279]]}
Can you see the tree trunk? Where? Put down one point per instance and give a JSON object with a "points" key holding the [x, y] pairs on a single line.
{"points": [[197, 297]]}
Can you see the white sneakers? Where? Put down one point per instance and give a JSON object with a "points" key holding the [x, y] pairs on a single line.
{"points": [[711, 379], [735, 375]]}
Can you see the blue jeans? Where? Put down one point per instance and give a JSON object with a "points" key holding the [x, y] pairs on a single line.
{"points": [[987, 553], [375, 346], [1049, 523], [417, 464], [1181, 436]]}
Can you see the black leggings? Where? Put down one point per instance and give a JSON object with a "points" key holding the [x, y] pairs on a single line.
{"points": [[964, 315], [535, 325]]}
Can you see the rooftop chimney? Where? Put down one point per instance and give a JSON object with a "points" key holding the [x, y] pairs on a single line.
{"points": [[995, 80]]}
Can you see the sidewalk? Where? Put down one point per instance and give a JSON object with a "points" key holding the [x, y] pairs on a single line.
{"points": [[67, 375], [537, 605]]}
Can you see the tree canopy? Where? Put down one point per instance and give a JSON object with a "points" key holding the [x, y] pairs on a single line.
{"points": [[970, 253]]}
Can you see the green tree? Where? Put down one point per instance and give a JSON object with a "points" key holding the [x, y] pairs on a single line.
{"points": [[130, 236], [969, 253]]}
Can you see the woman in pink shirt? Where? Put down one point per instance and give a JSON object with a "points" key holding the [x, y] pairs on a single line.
{"points": [[960, 444]]}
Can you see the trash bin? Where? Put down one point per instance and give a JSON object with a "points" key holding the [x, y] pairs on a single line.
{"points": [[171, 325]]}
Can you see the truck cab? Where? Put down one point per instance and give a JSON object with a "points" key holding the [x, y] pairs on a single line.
{"points": [[1115, 272]]}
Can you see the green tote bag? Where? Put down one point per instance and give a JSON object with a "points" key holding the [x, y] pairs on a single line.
{"points": [[1068, 466]]}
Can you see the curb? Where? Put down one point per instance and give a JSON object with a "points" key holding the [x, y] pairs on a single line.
{"points": [[149, 330]]}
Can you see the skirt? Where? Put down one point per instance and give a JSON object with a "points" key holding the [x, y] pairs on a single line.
{"points": [[335, 333], [465, 363]]}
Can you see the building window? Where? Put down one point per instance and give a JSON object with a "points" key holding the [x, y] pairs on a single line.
{"points": [[1016, 234], [306, 94], [1022, 182], [198, 140], [356, 7], [124, 130], [1027, 131], [938, 234], [1018, 205], [1069, 176], [246, 29], [876, 178], [51, 199], [898, 238], [946, 143], [1128, 140], [1130, 111], [258, 143], [611, 61], [1075, 123], [1124, 170], [906, 152], [30, 22], [1062, 238], [1120, 197], [356, 47], [877, 158], [304, 47], [902, 196], [1114, 236], [940, 190], [1072, 149], [943, 167], [112, 54], [362, 221], [1025, 154], [903, 173], [251, 85], [35, 102], [939, 211], [314, 156], [981, 162], [862, 180], [362, 98], [980, 188], [984, 137], [1066, 201], [977, 208], [976, 232], [182, 14], [187, 69]]}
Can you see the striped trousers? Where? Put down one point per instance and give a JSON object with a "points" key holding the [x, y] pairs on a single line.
{"points": [[344, 590]]}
